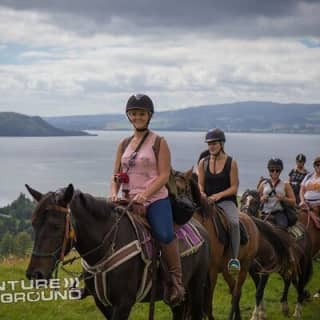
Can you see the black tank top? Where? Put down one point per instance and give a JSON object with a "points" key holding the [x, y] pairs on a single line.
{"points": [[215, 183]]}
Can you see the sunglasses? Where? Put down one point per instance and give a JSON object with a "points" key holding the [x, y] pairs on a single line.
{"points": [[274, 170]]}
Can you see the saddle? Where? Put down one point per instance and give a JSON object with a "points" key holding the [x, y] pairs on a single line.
{"points": [[296, 231], [189, 242], [221, 225]]}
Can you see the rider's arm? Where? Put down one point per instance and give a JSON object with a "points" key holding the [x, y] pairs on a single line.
{"points": [[302, 192], [114, 187], [263, 198], [201, 175], [289, 197]]}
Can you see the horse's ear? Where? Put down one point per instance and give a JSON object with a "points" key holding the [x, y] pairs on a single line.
{"points": [[68, 194], [83, 199], [36, 195], [188, 174]]}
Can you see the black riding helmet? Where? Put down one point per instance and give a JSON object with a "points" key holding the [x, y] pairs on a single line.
{"points": [[215, 134], [275, 163], [301, 157], [140, 101]]}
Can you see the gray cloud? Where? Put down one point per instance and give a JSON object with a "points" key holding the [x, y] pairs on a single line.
{"points": [[229, 18]]}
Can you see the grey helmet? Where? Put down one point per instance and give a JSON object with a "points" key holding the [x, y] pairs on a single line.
{"points": [[215, 134]]}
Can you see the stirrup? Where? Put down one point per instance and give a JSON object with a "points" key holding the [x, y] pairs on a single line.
{"points": [[234, 266]]}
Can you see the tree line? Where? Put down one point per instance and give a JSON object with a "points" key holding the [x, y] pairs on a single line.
{"points": [[15, 227]]}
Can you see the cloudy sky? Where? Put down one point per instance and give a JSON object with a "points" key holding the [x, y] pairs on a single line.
{"points": [[66, 57]]}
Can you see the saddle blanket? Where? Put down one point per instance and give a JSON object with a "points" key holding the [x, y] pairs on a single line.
{"points": [[189, 240]]}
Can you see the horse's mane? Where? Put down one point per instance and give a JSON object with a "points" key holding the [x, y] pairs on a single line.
{"points": [[250, 192], [201, 202], [279, 241], [99, 207]]}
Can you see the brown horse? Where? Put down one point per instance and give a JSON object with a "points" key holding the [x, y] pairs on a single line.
{"points": [[111, 248], [310, 218], [207, 214], [300, 270]]}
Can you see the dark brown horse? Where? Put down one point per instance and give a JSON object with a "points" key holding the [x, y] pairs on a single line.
{"points": [[100, 231], [298, 272], [187, 185]]}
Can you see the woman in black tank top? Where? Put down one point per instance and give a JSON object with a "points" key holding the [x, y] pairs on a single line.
{"points": [[219, 181], [218, 172]]}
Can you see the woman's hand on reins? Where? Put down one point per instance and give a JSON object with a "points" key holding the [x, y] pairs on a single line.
{"points": [[140, 198]]}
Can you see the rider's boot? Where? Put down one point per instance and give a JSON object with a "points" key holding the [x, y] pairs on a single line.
{"points": [[176, 292]]}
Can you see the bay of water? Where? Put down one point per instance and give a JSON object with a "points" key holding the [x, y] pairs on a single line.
{"points": [[87, 162]]}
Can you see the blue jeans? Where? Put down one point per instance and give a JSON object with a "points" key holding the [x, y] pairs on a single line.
{"points": [[159, 216]]}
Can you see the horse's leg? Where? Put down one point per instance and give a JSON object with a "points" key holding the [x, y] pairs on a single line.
{"points": [[181, 312], [107, 311], [260, 282], [236, 294], [197, 289], [284, 298], [229, 280], [213, 275], [122, 312]]}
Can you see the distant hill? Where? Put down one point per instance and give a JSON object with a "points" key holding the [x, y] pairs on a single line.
{"points": [[18, 125], [234, 117]]}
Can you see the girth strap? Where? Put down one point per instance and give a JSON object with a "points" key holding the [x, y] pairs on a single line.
{"points": [[120, 256]]}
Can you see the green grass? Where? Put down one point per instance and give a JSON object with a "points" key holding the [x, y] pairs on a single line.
{"points": [[14, 269]]}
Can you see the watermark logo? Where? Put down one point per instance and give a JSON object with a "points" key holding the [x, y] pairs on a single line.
{"points": [[14, 291]]}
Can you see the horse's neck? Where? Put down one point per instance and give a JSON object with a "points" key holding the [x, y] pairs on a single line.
{"points": [[92, 234]]}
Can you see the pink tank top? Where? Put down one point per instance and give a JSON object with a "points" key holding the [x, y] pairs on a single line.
{"points": [[145, 170]]}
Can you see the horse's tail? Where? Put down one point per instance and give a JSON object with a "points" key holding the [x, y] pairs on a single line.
{"points": [[280, 242]]}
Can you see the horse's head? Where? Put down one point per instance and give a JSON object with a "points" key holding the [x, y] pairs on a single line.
{"points": [[52, 231], [187, 185], [250, 202]]}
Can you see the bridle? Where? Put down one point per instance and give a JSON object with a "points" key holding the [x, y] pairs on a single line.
{"points": [[246, 205], [69, 234]]}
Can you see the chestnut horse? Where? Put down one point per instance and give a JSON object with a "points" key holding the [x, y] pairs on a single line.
{"points": [[187, 185], [99, 231], [299, 272]]}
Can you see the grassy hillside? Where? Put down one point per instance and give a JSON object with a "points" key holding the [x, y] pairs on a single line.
{"points": [[250, 116], [14, 269], [18, 125]]}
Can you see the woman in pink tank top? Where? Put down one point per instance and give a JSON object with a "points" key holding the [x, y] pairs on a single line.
{"points": [[142, 178]]}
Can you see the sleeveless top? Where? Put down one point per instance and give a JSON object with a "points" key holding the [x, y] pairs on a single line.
{"points": [[144, 171], [273, 204], [215, 183], [296, 177], [312, 185]]}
